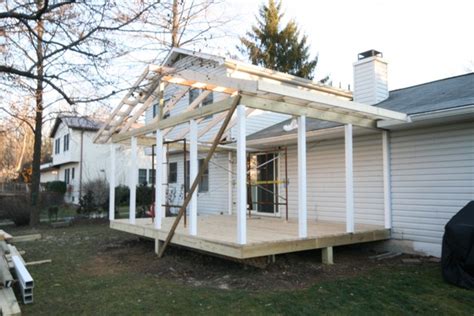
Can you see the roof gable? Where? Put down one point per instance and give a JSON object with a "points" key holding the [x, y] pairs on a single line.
{"points": [[76, 122]]}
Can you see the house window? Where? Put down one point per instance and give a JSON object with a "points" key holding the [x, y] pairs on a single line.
{"points": [[66, 142], [141, 176], [72, 173], [172, 172], [156, 108], [66, 175], [194, 93], [204, 183], [57, 146], [208, 100], [151, 176]]}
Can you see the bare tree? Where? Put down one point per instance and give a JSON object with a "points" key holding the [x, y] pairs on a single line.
{"points": [[60, 50]]}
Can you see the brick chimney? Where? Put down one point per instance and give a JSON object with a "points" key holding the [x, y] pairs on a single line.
{"points": [[370, 78]]}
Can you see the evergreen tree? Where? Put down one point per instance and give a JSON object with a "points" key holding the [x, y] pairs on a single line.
{"points": [[282, 49]]}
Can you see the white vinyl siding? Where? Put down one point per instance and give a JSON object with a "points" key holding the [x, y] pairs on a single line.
{"points": [[432, 179], [326, 180]]}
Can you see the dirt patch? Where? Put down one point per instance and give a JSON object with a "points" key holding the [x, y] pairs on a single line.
{"points": [[290, 271]]}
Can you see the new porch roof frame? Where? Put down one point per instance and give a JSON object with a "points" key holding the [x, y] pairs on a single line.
{"points": [[264, 95]]}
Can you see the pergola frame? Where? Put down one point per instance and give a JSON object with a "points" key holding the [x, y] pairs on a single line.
{"points": [[244, 96]]}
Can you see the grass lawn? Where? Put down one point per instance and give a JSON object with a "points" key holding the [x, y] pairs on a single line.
{"points": [[97, 271]]}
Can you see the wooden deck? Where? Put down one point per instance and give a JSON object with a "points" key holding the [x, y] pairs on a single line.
{"points": [[265, 236]]}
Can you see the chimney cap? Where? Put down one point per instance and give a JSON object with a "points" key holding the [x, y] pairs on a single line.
{"points": [[369, 53]]}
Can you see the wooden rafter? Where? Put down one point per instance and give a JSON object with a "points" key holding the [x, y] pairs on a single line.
{"points": [[119, 109], [210, 109], [202, 169]]}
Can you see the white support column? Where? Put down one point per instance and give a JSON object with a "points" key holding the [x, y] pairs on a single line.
{"points": [[229, 183], [112, 183], [349, 179], [133, 180], [159, 179], [387, 188], [241, 177], [193, 172], [302, 187]]}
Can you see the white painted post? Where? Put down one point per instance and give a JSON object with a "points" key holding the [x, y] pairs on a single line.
{"points": [[112, 183], [164, 180], [349, 179], [133, 179], [302, 187], [193, 172], [387, 188], [159, 179], [229, 183], [241, 176]]}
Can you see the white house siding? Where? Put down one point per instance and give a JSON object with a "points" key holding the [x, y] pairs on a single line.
{"points": [[216, 198], [326, 180], [432, 178]]}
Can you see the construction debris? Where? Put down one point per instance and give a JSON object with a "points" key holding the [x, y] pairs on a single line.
{"points": [[13, 272], [411, 261], [25, 238], [386, 255], [33, 263]]}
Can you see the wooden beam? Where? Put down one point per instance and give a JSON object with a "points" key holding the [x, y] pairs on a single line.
{"points": [[349, 178], [333, 102], [327, 255], [302, 189], [119, 106], [204, 167], [133, 180], [193, 168], [308, 111], [212, 82], [210, 109], [159, 192], [112, 182], [241, 177], [196, 102]]}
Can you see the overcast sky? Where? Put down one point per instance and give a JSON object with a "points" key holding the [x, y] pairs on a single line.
{"points": [[422, 40]]}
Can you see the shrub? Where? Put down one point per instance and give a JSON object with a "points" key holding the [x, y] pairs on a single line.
{"points": [[56, 186], [48, 199], [99, 193], [87, 204], [17, 208], [122, 195]]}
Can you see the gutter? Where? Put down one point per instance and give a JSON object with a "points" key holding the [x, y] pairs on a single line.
{"points": [[425, 116]]}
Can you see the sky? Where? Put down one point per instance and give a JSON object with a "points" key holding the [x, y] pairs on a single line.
{"points": [[422, 40]]}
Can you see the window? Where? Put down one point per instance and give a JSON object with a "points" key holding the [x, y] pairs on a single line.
{"points": [[72, 173], [66, 142], [66, 175], [141, 176], [172, 172], [194, 93], [156, 107], [151, 176], [208, 100], [204, 183], [57, 146]]}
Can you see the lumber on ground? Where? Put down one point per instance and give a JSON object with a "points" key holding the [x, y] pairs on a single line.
{"points": [[202, 169], [6, 278], [25, 238], [33, 263], [8, 303]]}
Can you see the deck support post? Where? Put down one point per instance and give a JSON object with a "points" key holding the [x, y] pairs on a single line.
{"points": [[327, 255], [349, 178], [302, 202], [229, 183], [159, 180], [193, 171], [387, 189], [133, 180], [158, 245], [241, 176], [112, 183]]}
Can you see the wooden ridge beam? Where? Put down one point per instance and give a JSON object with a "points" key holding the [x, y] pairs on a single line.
{"points": [[308, 111], [210, 109], [202, 169]]}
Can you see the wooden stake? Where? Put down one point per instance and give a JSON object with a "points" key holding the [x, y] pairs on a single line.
{"points": [[199, 176]]}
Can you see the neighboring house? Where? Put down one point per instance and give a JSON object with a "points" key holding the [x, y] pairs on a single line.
{"points": [[392, 165], [77, 160]]}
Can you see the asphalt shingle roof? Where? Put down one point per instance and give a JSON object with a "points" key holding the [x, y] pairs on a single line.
{"points": [[427, 97], [76, 122]]}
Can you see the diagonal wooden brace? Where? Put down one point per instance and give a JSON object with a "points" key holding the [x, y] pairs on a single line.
{"points": [[199, 175]]}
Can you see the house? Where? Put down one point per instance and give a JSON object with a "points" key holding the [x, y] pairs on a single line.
{"points": [[293, 164], [76, 160]]}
